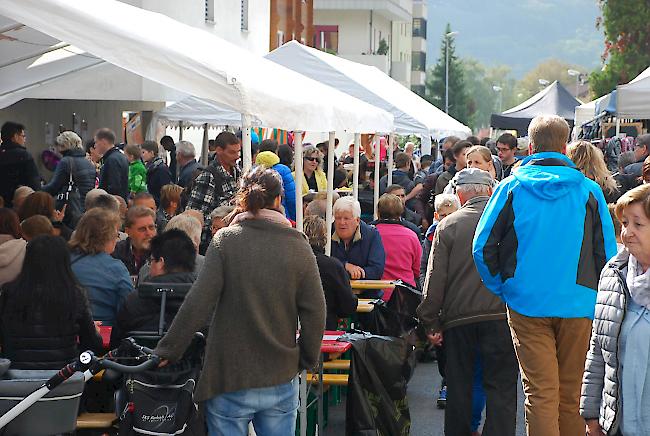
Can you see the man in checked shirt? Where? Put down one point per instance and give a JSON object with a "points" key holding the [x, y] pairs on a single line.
{"points": [[217, 184]]}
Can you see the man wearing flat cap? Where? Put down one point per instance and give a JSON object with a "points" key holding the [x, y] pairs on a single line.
{"points": [[461, 313]]}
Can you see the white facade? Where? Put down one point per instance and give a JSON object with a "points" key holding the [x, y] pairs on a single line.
{"points": [[419, 47], [361, 25]]}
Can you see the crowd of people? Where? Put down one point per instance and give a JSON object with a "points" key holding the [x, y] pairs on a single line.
{"points": [[515, 251]]}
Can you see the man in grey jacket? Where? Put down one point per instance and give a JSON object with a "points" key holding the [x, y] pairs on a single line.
{"points": [[471, 318]]}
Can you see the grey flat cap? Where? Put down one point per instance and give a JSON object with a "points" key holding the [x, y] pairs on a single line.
{"points": [[473, 176]]}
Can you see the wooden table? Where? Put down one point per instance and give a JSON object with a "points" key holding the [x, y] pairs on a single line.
{"points": [[359, 286], [365, 305]]}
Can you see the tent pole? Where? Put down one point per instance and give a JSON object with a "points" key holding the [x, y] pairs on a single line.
{"points": [[425, 144], [246, 142], [298, 165], [391, 143], [618, 127], [330, 192], [180, 130], [375, 140], [355, 171], [204, 147]]}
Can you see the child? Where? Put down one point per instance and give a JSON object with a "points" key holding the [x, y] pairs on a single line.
{"points": [[137, 170]]}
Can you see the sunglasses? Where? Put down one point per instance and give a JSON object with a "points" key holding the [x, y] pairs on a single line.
{"points": [[313, 159]]}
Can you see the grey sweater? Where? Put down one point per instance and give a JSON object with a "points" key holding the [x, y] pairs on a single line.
{"points": [[259, 279]]}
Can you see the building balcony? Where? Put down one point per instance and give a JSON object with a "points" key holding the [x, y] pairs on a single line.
{"points": [[418, 78], [379, 61], [392, 10], [401, 71], [419, 44]]}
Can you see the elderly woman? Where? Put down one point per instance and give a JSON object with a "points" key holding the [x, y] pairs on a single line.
{"points": [[590, 161], [73, 172], [105, 278], [253, 314], [403, 249], [356, 244], [616, 381], [314, 178], [339, 299]]}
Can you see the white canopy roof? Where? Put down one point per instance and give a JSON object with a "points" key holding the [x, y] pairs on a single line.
{"points": [[157, 47], [198, 111], [633, 99], [413, 114], [587, 111]]}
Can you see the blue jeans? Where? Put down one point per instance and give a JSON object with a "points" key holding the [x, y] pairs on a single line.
{"points": [[272, 410]]}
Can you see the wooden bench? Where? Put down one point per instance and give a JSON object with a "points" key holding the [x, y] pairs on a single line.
{"points": [[329, 379], [96, 420], [337, 365]]}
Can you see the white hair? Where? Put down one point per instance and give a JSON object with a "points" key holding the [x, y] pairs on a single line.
{"points": [[446, 200], [68, 141], [348, 204], [185, 149], [474, 189], [221, 212], [188, 224]]}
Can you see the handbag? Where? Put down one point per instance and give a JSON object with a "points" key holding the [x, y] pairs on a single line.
{"points": [[70, 197]]}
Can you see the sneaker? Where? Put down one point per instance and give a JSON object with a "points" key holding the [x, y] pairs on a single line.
{"points": [[442, 398]]}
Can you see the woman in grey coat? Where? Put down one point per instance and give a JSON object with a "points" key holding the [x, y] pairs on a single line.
{"points": [[615, 396]]}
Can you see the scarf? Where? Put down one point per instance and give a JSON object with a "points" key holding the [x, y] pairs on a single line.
{"points": [[266, 214], [638, 283]]}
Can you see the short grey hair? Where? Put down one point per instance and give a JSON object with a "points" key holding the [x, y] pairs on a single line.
{"points": [[188, 224], [68, 141], [474, 189], [348, 204], [311, 150], [446, 200], [221, 212], [185, 149], [625, 159]]}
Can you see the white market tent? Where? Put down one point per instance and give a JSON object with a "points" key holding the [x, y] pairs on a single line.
{"points": [[413, 114], [633, 99], [587, 111]]}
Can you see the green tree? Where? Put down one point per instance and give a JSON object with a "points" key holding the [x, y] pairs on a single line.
{"points": [[627, 43], [551, 70], [435, 83], [489, 90]]}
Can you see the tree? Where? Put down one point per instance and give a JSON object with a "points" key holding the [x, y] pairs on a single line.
{"points": [[489, 90], [627, 43], [435, 82], [551, 70]]}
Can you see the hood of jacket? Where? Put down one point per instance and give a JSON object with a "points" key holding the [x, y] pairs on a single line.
{"points": [[267, 159], [155, 163], [10, 249], [548, 175], [75, 152]]}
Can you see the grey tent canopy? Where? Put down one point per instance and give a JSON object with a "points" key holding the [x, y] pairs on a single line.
{"points": [[552, 100]]}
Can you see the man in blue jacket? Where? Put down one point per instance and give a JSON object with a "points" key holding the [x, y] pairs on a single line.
{"points": [[356, 244], [540, 245]]}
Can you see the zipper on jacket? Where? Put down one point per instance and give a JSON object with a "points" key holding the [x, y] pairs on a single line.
{"points": [[626, 291]]}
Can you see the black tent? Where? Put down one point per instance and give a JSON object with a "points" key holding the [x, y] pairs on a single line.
{"points": [[552, 100]]}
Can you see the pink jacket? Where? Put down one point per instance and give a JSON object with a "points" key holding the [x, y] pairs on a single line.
{"points": [[403, 253]]}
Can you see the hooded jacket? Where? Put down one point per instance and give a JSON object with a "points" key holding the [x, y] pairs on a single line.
{"points": [[158, 175], [271, 160], [12, 255], [83, 175], [544, 238]]}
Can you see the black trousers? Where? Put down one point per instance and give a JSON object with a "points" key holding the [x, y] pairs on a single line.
{"points": [[492, 340]]}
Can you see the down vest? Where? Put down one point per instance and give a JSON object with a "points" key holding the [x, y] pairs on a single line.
{"points": [[600, 398]]}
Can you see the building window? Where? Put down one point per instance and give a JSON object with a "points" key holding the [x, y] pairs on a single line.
{"points": [[326, 38], [419, 27], [244, 15], [209, 11], [418, 61]]}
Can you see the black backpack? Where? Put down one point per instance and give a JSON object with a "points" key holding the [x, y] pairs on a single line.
{"points": [[187, 191]]}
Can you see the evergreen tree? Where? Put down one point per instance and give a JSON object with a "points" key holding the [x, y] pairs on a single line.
{"points": [[435, 83], [627, 43]]}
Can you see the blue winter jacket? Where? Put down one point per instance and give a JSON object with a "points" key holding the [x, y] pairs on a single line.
{"points": [[366, 250], [289, 185], [543, 239]]}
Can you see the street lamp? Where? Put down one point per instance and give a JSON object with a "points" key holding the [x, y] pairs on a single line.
{"points": [[543, 82], [577, 75], [497, 88], [447, 36]]}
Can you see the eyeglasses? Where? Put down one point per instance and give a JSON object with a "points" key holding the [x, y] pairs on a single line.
{"points": [[313, 159], [503, 149]]}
